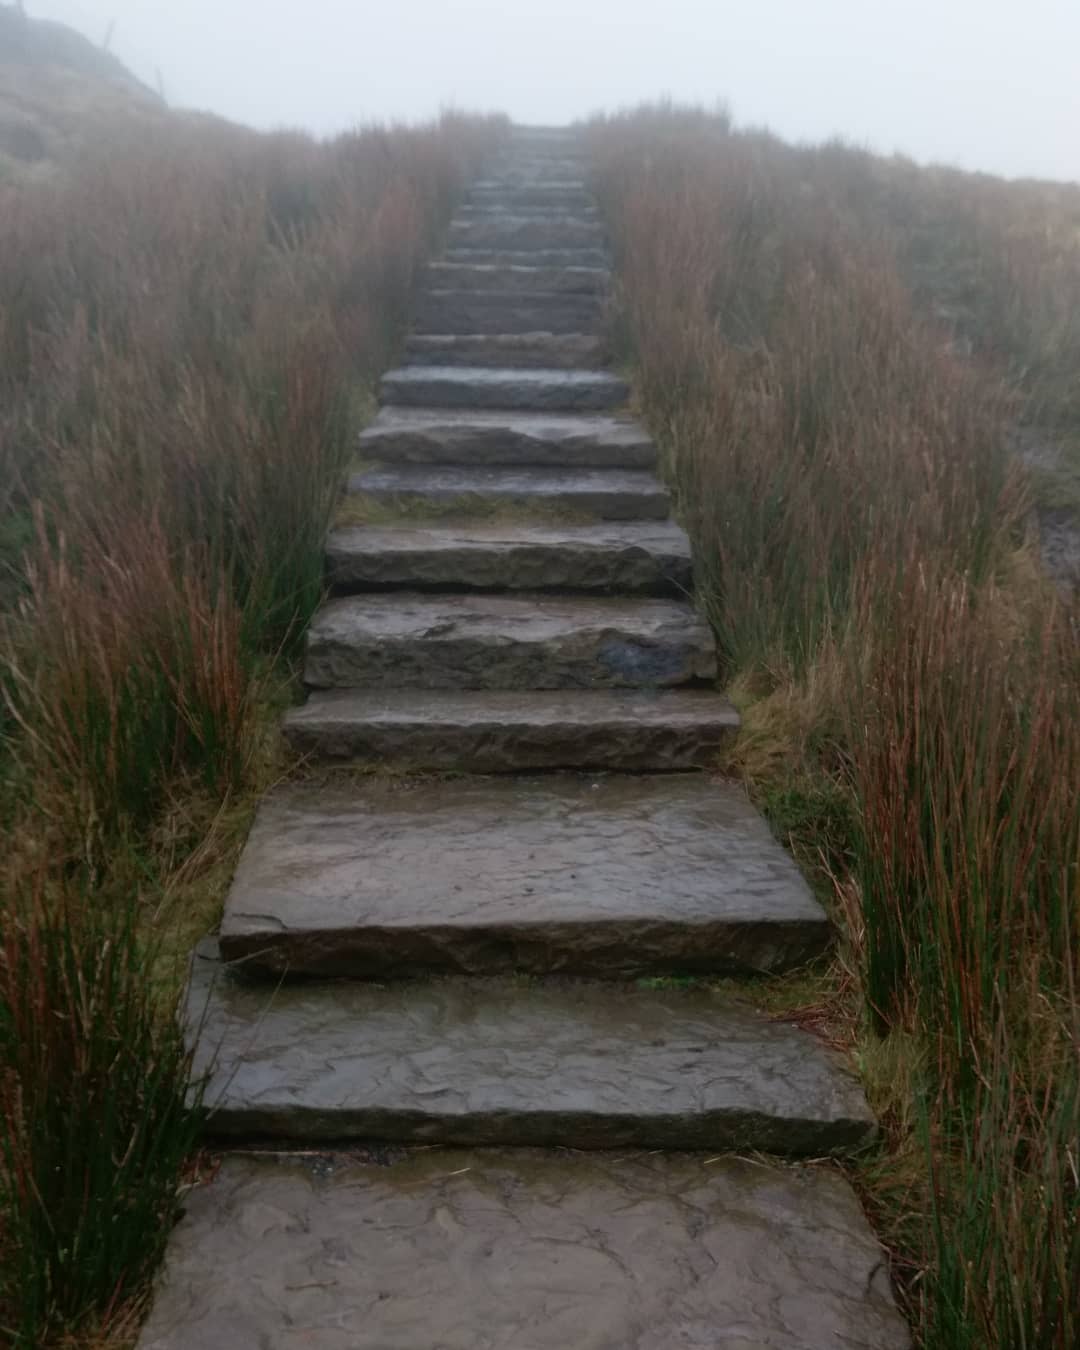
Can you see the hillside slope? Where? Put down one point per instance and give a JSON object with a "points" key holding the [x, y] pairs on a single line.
{"points": [[58, 91]]}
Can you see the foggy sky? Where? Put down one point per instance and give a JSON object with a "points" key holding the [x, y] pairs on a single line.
{"points": [[985, 84]]}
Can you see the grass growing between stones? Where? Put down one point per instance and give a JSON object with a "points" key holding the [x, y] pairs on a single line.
{"points": [[910, 684], [189, 323]]}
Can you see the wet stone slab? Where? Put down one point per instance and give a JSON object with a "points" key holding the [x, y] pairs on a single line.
{"points": [[567, 192], [558, 391], [608, 494], [568, 1064], [532, 277], [646, 558], [507, 438], [567, 351], [509, 732], [504, 230], [506, 641], [496, 210], [580, 874], [535, 257], [454, 311], [486, 1251]]}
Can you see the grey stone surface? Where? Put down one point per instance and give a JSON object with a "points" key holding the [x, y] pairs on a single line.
{"points": [[565, 1064], [538, 170], [473, 387], [447, 311], [609, 494], [509, 641], [566, 351], [458, 276], [509, 732], [536, 257], [564, 873], [507, 437], [523, 231], [493, 209], [516, 1250], [568, 192], [638, 558]]}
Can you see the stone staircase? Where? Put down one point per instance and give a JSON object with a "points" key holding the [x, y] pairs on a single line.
{"points": [[470, 954]]}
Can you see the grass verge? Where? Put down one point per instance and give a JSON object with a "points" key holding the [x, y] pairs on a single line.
{"points": [[908, 680], [190, 321]]}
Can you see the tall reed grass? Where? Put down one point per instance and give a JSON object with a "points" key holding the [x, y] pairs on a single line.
{"points": [[190, 324], [860, 523]]}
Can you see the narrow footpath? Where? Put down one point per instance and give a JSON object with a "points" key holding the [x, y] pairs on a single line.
{"points": [[437, 999]]}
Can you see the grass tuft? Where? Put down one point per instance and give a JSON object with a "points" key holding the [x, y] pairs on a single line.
{"points": [[192, 320], [910, 685]]}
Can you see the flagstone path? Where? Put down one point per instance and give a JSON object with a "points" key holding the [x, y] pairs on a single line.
{"points": [[470, 955]]}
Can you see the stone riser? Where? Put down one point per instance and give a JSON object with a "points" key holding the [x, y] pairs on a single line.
{"points": [[513, 642], [530, 172], [581, 1066], [511, 391], [513, 351], [494, 210], [536, 257], [566, 194], [603, 495], [477, 437], [597, 949], [518, 279], [562, 874], [519, 232], [516, 733], [617, 559], [500, 312]]}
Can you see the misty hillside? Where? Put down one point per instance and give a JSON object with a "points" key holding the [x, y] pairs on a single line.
{"points": [[57, 92]]}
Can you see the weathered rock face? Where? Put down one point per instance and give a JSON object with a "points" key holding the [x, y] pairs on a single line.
{"points": [[506, 642], [507, 438], [509, 351], [507, 732], [636, 558], [575, 874], [461, 1249], [567, 1064], [608, 494], [489, 312]]}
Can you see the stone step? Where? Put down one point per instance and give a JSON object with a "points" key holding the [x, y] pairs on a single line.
{"points": [[519, 279], [466, 1249], [517, 351], [537, 169], [406, 640], [566, 1064], [494, 211], [484, 387], [607, 494], [487, 312], [486, 436], [646, 558], [613, 876], [535, 257], [509, 732], [518, 232], [569, 192]]}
